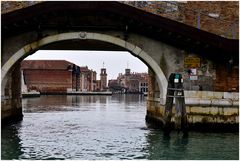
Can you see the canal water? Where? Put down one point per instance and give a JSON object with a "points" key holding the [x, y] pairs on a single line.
{"points": [[104, 127]]}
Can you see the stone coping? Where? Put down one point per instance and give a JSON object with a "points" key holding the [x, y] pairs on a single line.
{"points": [[208, 98], [212, 95]]}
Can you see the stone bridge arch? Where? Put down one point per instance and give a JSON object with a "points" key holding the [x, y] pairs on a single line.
{"points": [[132, 48], [149, 37]]}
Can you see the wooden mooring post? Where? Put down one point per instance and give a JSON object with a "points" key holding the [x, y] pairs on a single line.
{"points": [[175, 90]]}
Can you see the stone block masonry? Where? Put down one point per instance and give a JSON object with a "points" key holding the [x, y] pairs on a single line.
{"points": [[206, 111]]}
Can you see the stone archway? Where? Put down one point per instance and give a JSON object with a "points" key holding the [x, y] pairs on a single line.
{"points": [[135, 50]]}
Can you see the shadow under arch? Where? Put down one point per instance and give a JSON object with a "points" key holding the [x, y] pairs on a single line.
{"points": [[133, 49]]}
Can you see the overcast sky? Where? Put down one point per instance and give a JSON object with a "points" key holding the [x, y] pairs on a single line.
{"points": [[114, 62]]}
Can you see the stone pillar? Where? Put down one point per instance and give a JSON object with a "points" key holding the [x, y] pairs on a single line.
{"points": [[154, 108], [151, 83], [11, 103]]}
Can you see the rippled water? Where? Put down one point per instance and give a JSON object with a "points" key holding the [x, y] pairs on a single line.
{"points": [[103, 127]]}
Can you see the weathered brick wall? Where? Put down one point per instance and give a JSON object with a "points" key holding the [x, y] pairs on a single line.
{"points": [[226, 24], [227, 78], [48, 80], [186, 12], [8, 6], [210, 77], [223, 25], [207, 75]]}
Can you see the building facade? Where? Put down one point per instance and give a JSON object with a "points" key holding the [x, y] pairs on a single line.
{"points": [[130, 83], [87, 80], [51, 76], [103, 79], [143, 86], [57, 76], [60, 76]]}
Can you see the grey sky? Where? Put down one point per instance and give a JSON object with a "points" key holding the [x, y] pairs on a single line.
{"points": [[115, 62]]}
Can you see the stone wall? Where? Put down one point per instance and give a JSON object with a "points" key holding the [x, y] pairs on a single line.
{"points": [[206, 111], [11, 103], [205, 75]]}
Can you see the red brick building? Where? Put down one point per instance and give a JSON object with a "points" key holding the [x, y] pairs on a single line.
{"points": [[51, 76], [60, 77], [103, 79], [87, 79], [130, 82]]}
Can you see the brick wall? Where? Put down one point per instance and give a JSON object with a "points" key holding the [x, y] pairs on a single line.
{"points": [[226, 24], [222, 25], [9, 6], [227, 78], [186, 12], [48, 80]]}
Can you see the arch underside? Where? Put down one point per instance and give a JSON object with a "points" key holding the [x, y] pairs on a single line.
{"points": [[87, 41]]}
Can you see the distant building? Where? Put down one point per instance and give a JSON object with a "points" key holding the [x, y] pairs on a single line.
{"points": [[98, 85], [129, 83], [57, 76], [103, 79], [143, 86], [114, 86], [51, 76], [88, 80]]}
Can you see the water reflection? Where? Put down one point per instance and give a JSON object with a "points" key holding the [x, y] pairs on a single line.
{"points": [[201, 146], [103, 127], [11, 138], [59, 102], [128, 98]]}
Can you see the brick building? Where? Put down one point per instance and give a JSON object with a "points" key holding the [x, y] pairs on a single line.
{"points": [[51, 76], [88, 80], [103, 79], [60, 76], [130, 82]]}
